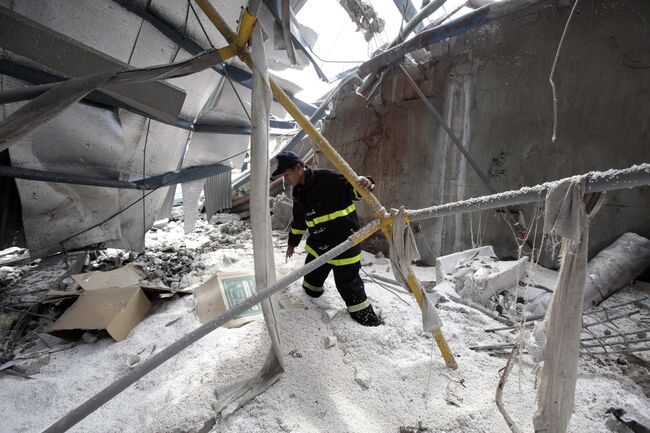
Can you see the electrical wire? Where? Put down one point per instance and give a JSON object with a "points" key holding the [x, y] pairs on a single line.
{"points": [[550, 78], [384, 287], [118, 213], [189, 2], [135, 43], [187, 16], [236, 92]]}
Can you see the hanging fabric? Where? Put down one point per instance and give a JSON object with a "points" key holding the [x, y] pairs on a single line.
{"points": [[565, 218], [232, 397], [403, 251]]}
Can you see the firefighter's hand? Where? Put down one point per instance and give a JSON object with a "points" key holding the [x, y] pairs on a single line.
{"points": [[289, 254], [366, 183]]}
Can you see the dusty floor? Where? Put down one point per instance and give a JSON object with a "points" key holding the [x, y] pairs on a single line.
{"points": [[410, 385]]}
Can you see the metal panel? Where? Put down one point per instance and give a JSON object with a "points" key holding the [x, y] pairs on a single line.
{"points": [[218, 195], [55, 50], [153, 182], [89, 141], [165, 146], [159, 15], [36, 76], [97, 23]]}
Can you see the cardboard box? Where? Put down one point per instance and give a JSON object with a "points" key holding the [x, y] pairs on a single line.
{"points": [[118, 310], [224, 291]]}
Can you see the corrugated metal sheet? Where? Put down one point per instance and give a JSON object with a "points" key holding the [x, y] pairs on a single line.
{"points": [[217, 193]]}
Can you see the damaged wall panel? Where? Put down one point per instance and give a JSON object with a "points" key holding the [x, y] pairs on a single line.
{"points": [[52, 212], [165, 147], [491, 84], [96, 141]]}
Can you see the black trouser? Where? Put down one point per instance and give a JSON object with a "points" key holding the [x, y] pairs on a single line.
{"points": [[347, 279]]}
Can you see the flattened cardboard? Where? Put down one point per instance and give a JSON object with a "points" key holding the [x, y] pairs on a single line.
{"points": [[59, 295], [117, 310], [126, 276]]}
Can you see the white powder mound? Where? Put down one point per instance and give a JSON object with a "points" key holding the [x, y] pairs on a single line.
{"points": [[404, 381]]}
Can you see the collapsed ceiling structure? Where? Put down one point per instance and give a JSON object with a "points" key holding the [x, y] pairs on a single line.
{"points": [[108, 106]]}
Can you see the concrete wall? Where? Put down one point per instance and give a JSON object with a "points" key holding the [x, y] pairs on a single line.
{"points": [[491, 84]]}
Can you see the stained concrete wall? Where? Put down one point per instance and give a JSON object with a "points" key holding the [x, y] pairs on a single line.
{"points": [[491, 84]]}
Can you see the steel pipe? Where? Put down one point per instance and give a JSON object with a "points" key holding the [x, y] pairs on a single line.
{"points": [[637, 175]]}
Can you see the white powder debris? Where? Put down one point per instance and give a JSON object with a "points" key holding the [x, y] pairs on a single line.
{"points": [[371, 380]]}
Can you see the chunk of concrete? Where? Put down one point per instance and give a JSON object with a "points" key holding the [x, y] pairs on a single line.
{"points": [[490, 280], [448, 264], [362, 377], [330, 341], [282, 212]]}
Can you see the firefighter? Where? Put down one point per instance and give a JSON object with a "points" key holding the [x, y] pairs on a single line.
{"points": [[323, 205]]}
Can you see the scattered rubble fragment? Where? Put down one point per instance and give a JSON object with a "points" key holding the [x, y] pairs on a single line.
{"points": [[330, 341], [617, 422], [411, 429], [362, 377], [282, 212]]}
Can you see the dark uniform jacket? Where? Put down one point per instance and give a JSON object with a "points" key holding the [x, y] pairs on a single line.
{"points": [[324, 206]]}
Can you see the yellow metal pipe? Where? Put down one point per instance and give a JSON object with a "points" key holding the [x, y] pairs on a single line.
{"points": [[445, 350], [228, 51], [321, 142], [324, 146], [216, 19], [385, 220], [245, 29]]}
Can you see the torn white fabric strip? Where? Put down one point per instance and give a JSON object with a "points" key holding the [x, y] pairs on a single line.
{"points": [[233, 397], [567, 218], [191, 195], [403, 251]]}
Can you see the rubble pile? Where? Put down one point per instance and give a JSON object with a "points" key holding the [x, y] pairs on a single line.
{"points": [[170, 260], [170, 254], [9, 275]]}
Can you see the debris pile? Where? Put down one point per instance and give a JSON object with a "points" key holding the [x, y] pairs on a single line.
{"points": [[37, 293]]}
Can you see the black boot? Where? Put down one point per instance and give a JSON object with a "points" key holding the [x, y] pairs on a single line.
{"points": [[367, 317]]}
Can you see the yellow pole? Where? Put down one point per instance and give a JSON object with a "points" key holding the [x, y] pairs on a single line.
{"points": [[324, 146]]}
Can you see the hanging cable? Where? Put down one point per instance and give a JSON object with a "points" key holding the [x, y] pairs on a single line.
{"points": [[550, 78], [118, 213], [187, 16], [189, 2], [236, 93], [384, 287], [135, 43]]}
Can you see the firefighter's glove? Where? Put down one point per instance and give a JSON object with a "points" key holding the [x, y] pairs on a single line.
{"points": [[366, 183]]}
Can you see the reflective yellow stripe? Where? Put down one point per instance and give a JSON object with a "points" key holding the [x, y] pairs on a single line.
{"points": [[357, 195], [336, 262], [297, 231], [359, 307], [311, 286], [332, 216]]}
